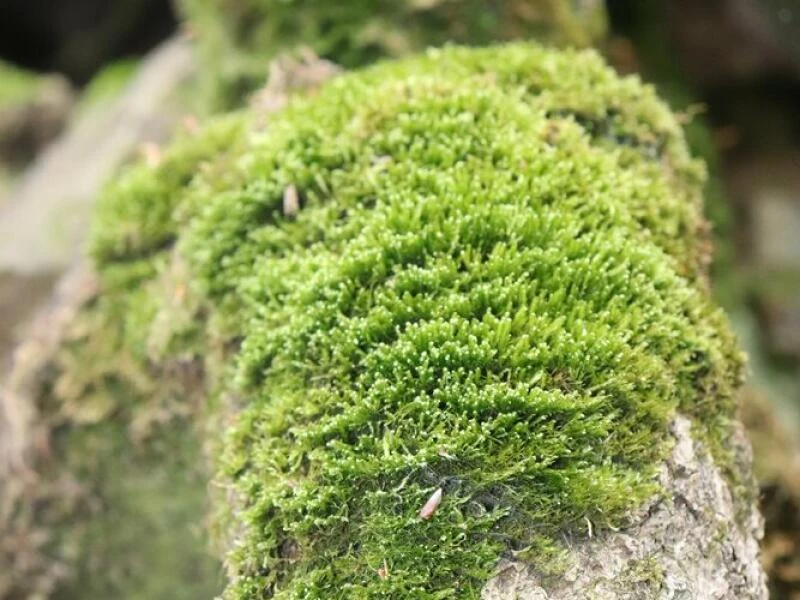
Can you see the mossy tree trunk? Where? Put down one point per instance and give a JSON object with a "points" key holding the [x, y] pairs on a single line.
{"points": [[447, 334]]}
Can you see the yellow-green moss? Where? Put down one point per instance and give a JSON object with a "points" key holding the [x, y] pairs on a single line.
{"points": [[119, 501], [494, 286], [238, 38], [17, 85]]}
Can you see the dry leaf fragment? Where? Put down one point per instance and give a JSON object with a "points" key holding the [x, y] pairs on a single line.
{"points": [[291, 201], [151, 153], [383, 572], [427, 511], [191, 124]]}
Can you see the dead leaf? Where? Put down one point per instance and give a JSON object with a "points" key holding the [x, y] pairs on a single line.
{"points": [[291, 201], [427, 511]]}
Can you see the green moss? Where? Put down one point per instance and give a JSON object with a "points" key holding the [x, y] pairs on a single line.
{"points": [[120, 494], [238, 38], [493, 287], [138, 533], [645, 575], [647, 570], [17, 85]]}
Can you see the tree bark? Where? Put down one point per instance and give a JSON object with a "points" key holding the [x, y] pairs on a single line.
{"points": [[686, 544]]}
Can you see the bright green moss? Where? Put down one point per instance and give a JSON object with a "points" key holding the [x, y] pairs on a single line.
{"points": [[238, 38], [494, 286]]}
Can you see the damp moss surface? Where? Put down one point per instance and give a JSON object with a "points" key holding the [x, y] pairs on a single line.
{"points": [[238, 38], [473, 274]]}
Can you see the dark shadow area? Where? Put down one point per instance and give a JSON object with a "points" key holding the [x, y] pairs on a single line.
{"points": [[77, 37]]}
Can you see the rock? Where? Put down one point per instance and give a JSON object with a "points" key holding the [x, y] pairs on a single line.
{"points": [[441, 366], [32, 118], [690, 544]]}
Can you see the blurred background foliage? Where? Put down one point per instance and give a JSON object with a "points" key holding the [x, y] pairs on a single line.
{"points": [[237, 37]]}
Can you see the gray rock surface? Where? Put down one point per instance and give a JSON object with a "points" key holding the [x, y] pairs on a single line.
{"points": [[695, 543]]}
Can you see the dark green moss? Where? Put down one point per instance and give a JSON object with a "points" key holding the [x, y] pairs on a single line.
{"points": [[238, 38], [493, 287]]}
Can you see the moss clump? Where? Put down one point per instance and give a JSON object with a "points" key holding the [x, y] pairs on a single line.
{"points": [[493, 286], [120, 500], [238, 38], [119, 497]]}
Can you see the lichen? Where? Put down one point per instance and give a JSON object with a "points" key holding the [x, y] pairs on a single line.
{"points": [[237, 38], [494, 286], [646, 571]]}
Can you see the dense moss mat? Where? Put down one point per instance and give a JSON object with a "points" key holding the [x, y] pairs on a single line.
{"points": [[238, 38], [479, 271]]}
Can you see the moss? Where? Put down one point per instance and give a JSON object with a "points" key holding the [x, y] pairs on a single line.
{"points": [[494, 287], [648, 573], [107, 84], [238, 38], [99, 521]]}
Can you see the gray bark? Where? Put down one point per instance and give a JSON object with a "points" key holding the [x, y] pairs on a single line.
{"points": [[697, 542]]}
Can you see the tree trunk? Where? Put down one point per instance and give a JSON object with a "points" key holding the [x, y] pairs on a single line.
{"points": [[697, 538]]}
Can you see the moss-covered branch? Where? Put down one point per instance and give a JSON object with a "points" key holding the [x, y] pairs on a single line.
{"points": [[492, 287], [449, 310]]}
